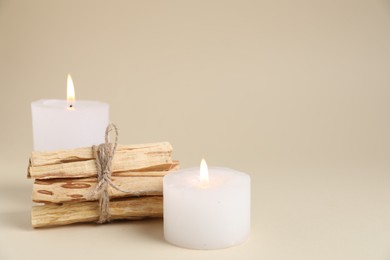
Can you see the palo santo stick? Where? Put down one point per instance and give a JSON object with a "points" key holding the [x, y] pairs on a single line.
{"points": [[69, 213], [81, 189], [88, 168], [156, 172], [85, 153], [127, 160], [66, 190]]}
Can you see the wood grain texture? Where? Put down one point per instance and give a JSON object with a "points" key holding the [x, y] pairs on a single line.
{"points": [[69, 213], [65, 182], [39, 158], [78, 163], [66, 190]]}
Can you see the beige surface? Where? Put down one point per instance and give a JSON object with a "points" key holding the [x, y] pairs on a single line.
{"points": [[296, 93]]}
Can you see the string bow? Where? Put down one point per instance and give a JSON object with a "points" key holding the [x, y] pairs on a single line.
{"points": [[104, 153]]}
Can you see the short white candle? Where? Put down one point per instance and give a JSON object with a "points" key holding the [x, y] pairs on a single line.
{"points": [[66, 124], [208, 212]]}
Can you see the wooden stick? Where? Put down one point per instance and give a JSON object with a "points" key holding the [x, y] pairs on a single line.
{"points": [[77, 164], [85, 153], [69, 213], [151, 173], [66, 190]]}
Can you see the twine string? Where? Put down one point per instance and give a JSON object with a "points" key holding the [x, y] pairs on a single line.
{"points": [[104, 153]]}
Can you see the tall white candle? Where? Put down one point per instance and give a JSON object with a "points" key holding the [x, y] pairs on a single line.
{"points": [[66, 124], [201, 213]]}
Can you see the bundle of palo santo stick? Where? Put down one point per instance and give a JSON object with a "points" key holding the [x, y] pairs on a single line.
{"points": [[65, 182]]}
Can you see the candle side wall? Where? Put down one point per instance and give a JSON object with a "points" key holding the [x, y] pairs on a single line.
{"points": [[55, 128], [209, 218]]}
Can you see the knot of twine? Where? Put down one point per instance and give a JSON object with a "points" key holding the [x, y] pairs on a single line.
{"points": [[104, 153]]}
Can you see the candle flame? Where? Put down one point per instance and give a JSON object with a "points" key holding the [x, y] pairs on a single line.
{"points": [[204, 174], [70, 92]]}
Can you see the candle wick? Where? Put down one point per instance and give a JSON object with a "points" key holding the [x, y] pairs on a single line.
{"points": [[70, 107]]}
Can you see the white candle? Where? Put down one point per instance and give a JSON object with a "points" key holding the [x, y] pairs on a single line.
{"points": [[66, 124], [206, 212]]}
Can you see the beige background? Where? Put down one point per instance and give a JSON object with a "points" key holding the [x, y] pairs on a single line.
{"points": [[296, 93]]}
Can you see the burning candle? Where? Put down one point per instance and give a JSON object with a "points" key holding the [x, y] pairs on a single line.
{"points": [[66, 124], [206, 208]]}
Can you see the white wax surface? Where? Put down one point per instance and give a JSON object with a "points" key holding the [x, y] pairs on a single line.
{"points": [[217, 216], [57, 127]]}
